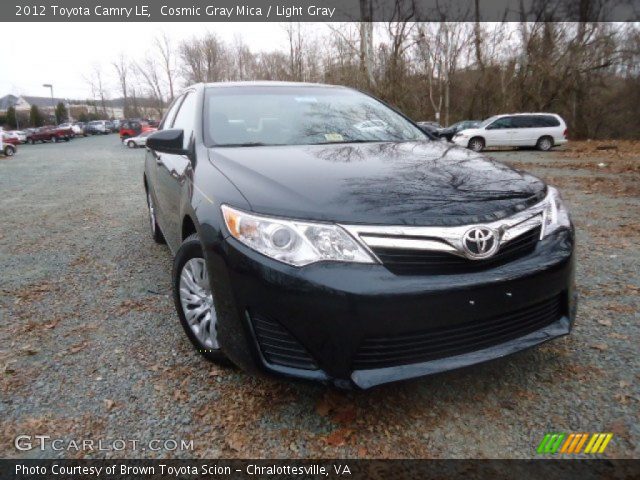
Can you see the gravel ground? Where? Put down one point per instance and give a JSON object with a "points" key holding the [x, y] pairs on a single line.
{"points": [[90, 346]]}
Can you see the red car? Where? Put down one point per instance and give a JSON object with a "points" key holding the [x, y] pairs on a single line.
{"points": [[49, 134], [9, 145], [130, 128], [133, 128]]}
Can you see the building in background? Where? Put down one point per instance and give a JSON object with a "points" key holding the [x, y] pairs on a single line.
{"points": [[77, 109]]}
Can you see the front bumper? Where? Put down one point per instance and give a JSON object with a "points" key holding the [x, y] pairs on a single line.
{"points": [[461, 141], [330, 312]]}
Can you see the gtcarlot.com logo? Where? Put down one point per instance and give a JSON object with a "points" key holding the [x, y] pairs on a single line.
{"points": [[573, 443]]}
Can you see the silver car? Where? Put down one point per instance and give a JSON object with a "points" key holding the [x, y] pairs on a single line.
{"points": [[139, 141]]}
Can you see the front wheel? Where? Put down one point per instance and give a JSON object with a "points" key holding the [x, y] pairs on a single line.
{"points": [[193, 299], [476, 144], [131, 144], [54, 139], [9, 151], [30, 141]]}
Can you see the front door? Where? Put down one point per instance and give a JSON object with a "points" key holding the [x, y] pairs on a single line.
{"points": [[500, 133]]}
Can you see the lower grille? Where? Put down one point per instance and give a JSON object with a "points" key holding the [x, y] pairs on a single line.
{"points": [[416, 262], [456, 339], [278, 347]]}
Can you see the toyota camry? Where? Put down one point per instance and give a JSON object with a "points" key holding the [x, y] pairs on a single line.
{"points": [[318, 233]]}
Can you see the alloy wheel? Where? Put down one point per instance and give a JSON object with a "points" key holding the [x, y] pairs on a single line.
{"points": [[197, 302], [544, 144], [476, 145]]}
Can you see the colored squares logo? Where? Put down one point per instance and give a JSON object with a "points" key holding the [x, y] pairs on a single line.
{"points": [[572, 443]]}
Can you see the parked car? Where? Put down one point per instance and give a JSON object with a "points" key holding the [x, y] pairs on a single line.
{"points": [[66, 131], [305, 247], [19, 135], [75, 129], [540, 130], [130, 128], [99, 127], [139, 140], [9, 145], [450, 131], [429, 127], [48, 133], [92, 129], [83, 127]]}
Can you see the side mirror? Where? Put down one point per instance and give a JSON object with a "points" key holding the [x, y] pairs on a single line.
{"points": [[167, 141]]}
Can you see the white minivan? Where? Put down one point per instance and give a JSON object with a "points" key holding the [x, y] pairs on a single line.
{"points": [[540, 130]]}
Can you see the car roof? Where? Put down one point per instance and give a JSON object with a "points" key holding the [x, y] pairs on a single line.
{"points": [[265, 83], [526, 113]]}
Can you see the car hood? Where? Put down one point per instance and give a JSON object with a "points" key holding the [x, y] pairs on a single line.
{"points": [[411, 183]]}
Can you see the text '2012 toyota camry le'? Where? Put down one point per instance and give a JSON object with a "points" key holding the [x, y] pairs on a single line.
{"points": [[318, 233]]}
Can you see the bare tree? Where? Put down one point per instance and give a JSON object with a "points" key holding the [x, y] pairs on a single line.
{"points": [[150, 75], [366, 41], [296, 47], [98, 90], [165, 49], [122, 68], [440, 48], [205, 59]]}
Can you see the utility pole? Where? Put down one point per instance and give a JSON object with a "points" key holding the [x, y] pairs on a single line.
{"points": [[50, 87]]}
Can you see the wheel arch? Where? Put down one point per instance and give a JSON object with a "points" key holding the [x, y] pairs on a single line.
{"points": [[474, 137], [188, 227]]}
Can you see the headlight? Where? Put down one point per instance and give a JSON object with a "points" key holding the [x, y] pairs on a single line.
{"points": [[293, 242], [555, 215]]}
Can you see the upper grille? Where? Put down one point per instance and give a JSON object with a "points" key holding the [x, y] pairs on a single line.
{"points": [[278, 347], [415, 262], [456, 339]]}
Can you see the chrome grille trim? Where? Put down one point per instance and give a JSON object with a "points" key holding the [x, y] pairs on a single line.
{"points": [[445, 239]]}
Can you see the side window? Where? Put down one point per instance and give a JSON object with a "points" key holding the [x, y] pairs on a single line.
{"points": [[548, 121], [186, 117], [521, 122], [168, 117], [501, 123]]}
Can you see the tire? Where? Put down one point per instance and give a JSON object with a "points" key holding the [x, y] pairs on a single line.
{"points": [[9, 151], [30, 141], [131, 144], [194, 301], [53, 139], [156, 233], [476, 144], [544, 144]]}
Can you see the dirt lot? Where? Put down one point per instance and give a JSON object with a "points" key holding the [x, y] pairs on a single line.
{"points": [[90, 346]]}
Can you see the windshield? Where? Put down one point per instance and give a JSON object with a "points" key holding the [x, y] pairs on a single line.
{"points": [[489, 120], [246, 116]]}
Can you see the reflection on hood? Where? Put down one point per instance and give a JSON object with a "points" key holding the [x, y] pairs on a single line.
{"points": [[416, 183]]}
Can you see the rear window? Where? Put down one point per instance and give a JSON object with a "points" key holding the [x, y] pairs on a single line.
{"points": [[535, 121], [546, 121]]}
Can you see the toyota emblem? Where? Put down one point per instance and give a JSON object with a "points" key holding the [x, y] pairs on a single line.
{"points": [[480, 242]]}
